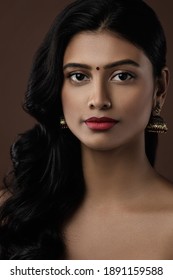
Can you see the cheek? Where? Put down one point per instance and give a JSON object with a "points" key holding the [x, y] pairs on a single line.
{"points": [[67, 102], [137, 101], [138, 111], [70, 103]]}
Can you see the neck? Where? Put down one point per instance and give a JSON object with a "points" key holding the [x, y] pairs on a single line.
{"points": [[118, 173]]}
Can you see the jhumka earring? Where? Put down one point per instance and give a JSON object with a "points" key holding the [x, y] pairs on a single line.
{"points": [[63, 123], [156, 123]]}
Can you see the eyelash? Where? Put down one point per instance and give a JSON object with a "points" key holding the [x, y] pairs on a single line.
{"points": [[131, 76], [71, 75], [75, 74]]}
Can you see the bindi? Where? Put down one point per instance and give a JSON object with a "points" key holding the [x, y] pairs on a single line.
{"points": [[97, 68]]}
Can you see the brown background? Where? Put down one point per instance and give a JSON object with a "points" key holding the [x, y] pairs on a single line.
{"points": [[23, 24]]}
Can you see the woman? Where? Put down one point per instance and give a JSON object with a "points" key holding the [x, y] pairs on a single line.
{"points": [[83, 184]]}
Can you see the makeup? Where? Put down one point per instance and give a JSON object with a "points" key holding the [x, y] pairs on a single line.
{"points": [[100, 124]]}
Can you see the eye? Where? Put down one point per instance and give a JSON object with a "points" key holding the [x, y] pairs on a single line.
{"points": [[78, 77], [123, 76]]}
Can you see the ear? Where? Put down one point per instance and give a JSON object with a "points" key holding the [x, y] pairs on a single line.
{"points": [[162, 83]]}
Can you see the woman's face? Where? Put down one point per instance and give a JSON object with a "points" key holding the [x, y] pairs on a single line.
{"points": [[108, 90]]}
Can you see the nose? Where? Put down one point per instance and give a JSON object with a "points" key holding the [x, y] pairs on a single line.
{"points": [[100, 98]]}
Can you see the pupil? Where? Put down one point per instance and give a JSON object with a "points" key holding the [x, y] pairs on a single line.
{"points": [[123, 76], [80, 77]]}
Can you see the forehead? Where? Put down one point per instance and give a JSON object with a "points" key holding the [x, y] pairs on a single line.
{"points": [[101, 48]]}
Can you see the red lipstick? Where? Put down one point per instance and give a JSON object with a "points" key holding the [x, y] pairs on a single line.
{"points": [[103, 123]]}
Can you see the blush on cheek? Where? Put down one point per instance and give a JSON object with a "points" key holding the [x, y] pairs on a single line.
{"points": [[137, 108]]}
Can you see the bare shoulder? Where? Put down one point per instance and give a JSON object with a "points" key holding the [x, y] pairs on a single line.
{"points": [[164, 201], [164, 189], [165, 182]]}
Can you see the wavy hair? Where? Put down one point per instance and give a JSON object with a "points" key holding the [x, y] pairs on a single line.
{"points": [[47, 184]]}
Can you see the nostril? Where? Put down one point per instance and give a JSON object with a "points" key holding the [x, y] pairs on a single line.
{"points": [[91, 106], [107, 105], [99, 104]]}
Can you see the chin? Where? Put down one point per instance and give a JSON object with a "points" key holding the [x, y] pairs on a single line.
{"points": [[99, 146]]}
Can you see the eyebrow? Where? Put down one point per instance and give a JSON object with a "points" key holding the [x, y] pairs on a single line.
{"points": [[122, 62], [108, 66], [78, 65]]}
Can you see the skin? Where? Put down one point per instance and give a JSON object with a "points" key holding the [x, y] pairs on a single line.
{"points": [[122, 189], [131, 100]]}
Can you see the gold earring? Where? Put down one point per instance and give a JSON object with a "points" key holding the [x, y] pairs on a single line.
{"points": [[156, 123], [63, 123]]}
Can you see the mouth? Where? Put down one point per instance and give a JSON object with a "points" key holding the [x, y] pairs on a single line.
{"points": [[103, 123]]}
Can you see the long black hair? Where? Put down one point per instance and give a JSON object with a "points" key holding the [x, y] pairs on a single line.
{"points": [[47, 184]]}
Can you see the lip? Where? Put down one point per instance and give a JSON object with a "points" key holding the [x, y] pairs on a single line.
{"points": [[103, 123]]}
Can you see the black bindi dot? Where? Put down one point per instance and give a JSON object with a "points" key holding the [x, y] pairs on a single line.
{"points": [[97, 68]]}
